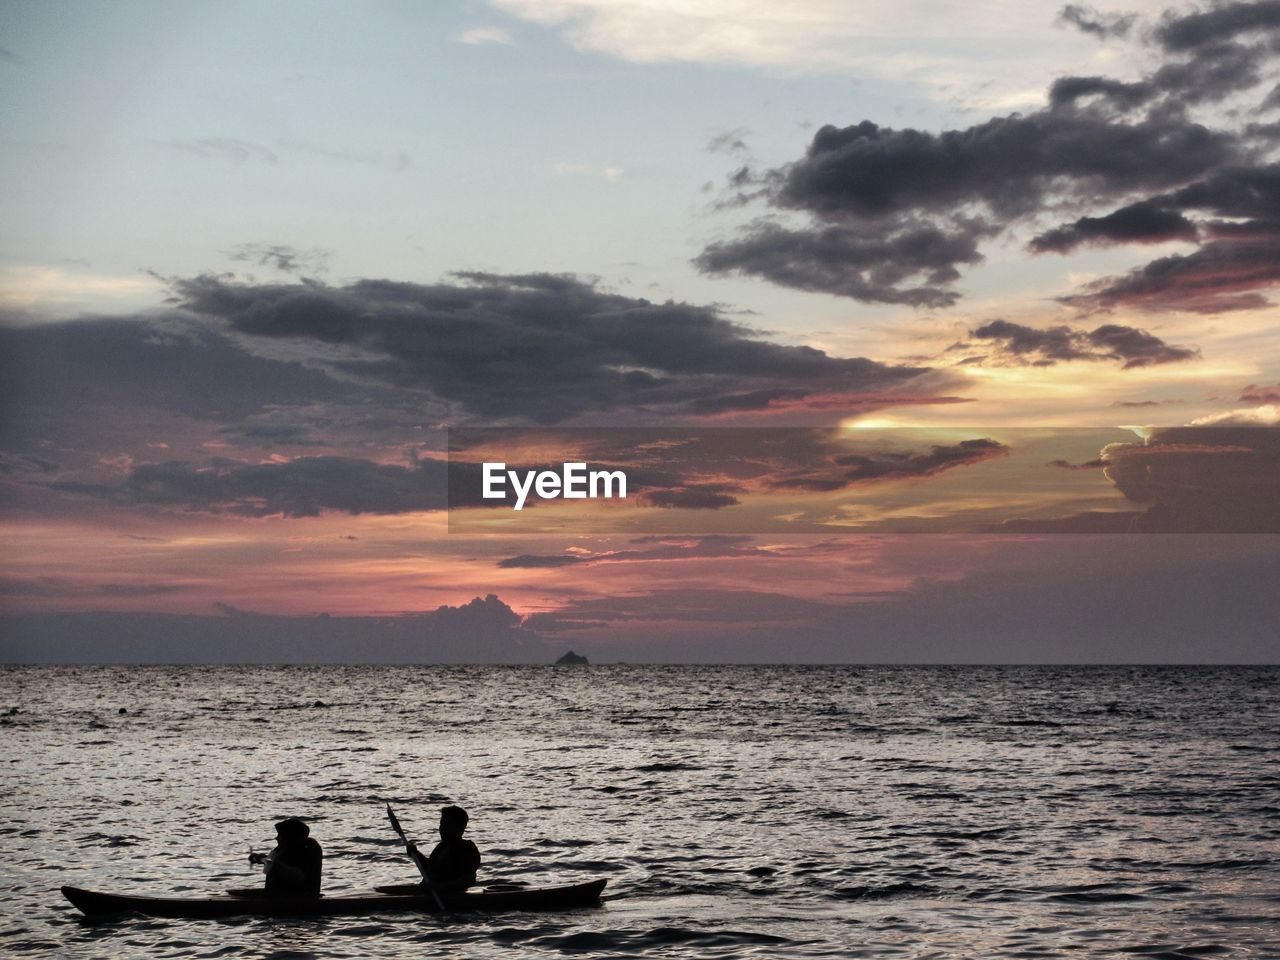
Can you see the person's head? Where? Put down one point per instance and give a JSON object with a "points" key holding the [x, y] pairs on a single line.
{"points": [[453, 822], [292, 830]]}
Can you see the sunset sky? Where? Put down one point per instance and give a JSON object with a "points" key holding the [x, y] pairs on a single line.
{"points": [[1001, 278]]}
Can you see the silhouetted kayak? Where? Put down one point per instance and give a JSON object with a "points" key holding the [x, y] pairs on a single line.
{"points": [[380, 900]]}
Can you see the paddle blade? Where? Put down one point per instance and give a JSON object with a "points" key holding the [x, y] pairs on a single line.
{"points": [[395, 824]]}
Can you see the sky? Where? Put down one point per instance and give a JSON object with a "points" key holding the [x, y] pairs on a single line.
{"points": [[931, 333]]}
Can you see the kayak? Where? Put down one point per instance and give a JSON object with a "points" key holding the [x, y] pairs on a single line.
{"points": [[403, 898]]}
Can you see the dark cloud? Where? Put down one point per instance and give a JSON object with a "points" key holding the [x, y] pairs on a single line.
{"points": [[304, 487], [1237, 257], [869, 188], [66, 587], [1141, 222], [1039, 346], [106, 385], [701, 496], [1043, 599], [855, 469], [1224, 22], [268, 434], [730, 142], [534, 561], [1260, 394], [481, 631], [282, 257], [1118, 94], [1220, 276], [27, 464], [1049, 345], [1249, 193], [1133, 146], [1203, 479], [871, 265], [312, 485], [538, 347], [1135, 347], [1095, 22], [1007, 164], [1087, 465], [1212, 73], [685, 606]]}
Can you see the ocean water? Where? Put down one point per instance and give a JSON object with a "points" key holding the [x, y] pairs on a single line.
{"points": [[735, 811]]}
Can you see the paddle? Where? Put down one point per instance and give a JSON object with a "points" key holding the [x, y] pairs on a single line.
{"points": [[426, 880]]}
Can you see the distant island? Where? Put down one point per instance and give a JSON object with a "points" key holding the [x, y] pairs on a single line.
{"points": [[572, 659]]}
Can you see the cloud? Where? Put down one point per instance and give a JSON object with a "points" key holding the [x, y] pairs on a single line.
{"points": [[1134, 146], [1219, 478], [477, 36], [351, 381], [867, 265], [1007, 165], [686, 606], [731, 143], [931, 46], [857, 469], [304, 487], [1264, 416], [538, 347], [1043, 599], [869, 189], [282, 257], [397, 162], [268, 435], [104, 384], [1204, 28], [1096, 23], [1141, 222], [1097, 464], [1239, 236], [1202, 479], [531, 561], [27, 464], [1049, 345], [483, 630], [223, 148], [1260, 394], [565, 168], [63, 587], [699, 496], [655, 549], [1219, 277]]}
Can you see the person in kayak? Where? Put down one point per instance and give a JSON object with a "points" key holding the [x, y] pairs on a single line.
{"points": [[293, 867], [454, 861]]}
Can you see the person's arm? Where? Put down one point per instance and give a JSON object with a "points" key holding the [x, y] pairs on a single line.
{"points": [[421, 861], [473, 860]]}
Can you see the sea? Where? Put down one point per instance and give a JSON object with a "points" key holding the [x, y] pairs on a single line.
{"points": [[735, 811]]}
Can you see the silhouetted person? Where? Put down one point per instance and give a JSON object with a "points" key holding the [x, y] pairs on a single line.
{"points": [[454, 862], [293, 867]]}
